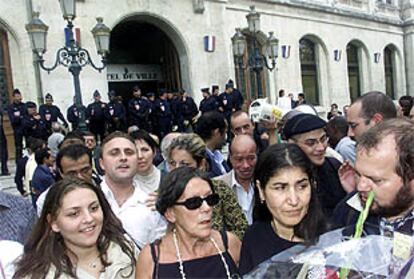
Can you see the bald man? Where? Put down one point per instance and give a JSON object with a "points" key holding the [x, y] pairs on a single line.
{"points": [[243, 158]]}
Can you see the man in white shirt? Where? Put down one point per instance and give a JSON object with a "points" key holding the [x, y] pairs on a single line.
{"points": [[243, 158], [119, 160]]}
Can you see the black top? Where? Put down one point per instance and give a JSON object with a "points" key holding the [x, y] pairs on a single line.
{"points": [[260, 243], [207, 267], [330, 191]]}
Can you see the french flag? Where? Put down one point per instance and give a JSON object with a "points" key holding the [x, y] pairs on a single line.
{"points": [[209, 43], [76, 35], [285, 51]]}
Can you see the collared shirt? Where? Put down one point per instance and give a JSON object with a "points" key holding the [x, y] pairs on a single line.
{"points": [[17, 217], [346, 147], [245, 199], [138, 220], [218, 158]]}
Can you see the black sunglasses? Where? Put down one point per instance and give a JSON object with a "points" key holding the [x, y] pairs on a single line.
{"points": [[196, 202]]}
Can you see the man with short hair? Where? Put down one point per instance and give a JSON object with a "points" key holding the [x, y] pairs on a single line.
{"points": [[138, 109], [367, 111], [243, 158], [384, 166], [308, 132], [95, 116], [55, 139], [72, 160], [337, 130], [33, 123], [43, 176], [241, 124], [90, 143], [16, 111], [119, 160], [212, 128], [208, 103], [51, 113]]}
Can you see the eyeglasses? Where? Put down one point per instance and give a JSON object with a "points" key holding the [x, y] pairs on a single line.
{"points": [[196, 202], [313, 142]]}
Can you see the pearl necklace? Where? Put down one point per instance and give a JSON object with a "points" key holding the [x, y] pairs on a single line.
{"points": [[180, 260]]}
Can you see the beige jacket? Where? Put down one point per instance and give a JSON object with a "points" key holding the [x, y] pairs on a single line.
{"points": [[121, 267]]}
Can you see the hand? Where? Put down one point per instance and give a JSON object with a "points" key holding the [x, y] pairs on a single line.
{"points": [[347, 177], [65, 125], [37, 117], [151, 200], [269, 125]]}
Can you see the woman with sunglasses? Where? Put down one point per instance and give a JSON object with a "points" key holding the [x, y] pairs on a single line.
{"points": [[288, 211], [190, 150], [191, 248], [77, 236]]}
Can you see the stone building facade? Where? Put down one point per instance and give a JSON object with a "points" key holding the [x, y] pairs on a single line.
{"points": [[333, 50]]}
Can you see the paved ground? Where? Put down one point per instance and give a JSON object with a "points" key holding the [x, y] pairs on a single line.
{"points": [[7, 182]]}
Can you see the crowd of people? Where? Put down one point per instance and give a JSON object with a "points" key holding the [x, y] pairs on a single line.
{"points": [[145, 200]]}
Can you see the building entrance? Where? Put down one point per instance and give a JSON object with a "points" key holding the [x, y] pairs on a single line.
{"points": [[142, 54]]}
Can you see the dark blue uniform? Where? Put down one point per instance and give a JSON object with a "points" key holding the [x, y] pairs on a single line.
{"points": [[96, 118], [209, 104], [164, 115], [73, 116], [189, 110], [139, 110], [115, 115], [227, 104], [153, 119], [16, 113], [177, 112], [237, 99], [35, 128], [51, 113]]}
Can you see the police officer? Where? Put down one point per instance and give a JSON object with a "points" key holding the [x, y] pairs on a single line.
{"points": [[177, 112], [138, 109], [216, 95], [95, 116], [33, 124], [115, 113], [209, 103], [73, 115], [51, 113], [189, 111], [164, 114], [237, 96], [152, 115], [16, 111], [226, 101]]}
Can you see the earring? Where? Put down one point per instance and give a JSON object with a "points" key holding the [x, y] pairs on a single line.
{"points": [[262, 201]]}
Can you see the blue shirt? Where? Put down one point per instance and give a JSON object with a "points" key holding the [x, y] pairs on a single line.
{"points": [[17, 217]]}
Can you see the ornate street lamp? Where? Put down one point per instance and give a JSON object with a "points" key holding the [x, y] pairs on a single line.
{"points": [[256, 60], [71, 56]]}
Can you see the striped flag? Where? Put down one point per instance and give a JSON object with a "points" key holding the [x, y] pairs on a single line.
{"points": [[285, 51], [76, 35], [209, 43]]}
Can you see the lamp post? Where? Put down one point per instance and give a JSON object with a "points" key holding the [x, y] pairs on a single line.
{"points": [[256, 61], [71, 56]]}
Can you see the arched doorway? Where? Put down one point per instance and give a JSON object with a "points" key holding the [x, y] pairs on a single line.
{"points": [[143, 53], [390, 71], [309, 70], [353, 70]]}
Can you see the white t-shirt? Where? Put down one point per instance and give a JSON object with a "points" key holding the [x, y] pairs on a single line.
{"points": [[139, 221]]}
